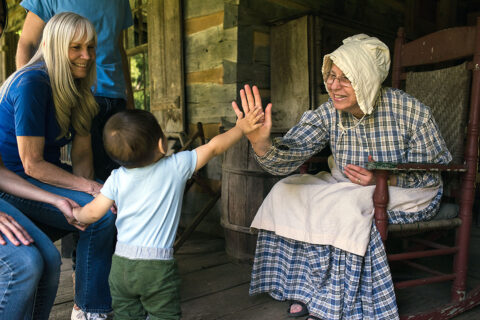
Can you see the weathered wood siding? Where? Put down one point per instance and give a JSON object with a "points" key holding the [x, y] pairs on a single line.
{"points": [[210, 49], [210, 61], [165, 51]]}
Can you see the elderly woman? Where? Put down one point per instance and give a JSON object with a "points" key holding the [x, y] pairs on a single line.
{"points": [[317, 245], [43, 106]]}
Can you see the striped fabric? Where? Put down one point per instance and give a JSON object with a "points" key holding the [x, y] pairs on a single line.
{"points": [[333, 283]]}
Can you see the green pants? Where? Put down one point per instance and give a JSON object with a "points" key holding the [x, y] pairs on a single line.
{"points": [[141, 287]]}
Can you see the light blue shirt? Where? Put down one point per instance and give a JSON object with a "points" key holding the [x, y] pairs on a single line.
{"points": [[149, 200], [109, 17]]}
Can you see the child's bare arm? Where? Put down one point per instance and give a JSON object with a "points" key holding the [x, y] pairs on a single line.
{"points": [[219, 144], [93, 211]]}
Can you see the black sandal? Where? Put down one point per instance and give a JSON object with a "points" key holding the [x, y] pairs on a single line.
{"points": [[300, 313], [310, 317]]}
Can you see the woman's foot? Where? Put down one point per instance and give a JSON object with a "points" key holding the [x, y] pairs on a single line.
{"points": [[297, 309], [311, 317]]}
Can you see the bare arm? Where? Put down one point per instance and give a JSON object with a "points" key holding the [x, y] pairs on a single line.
{"points": [[126, 74], [29, 39], [82, 157], [15, 185], [94, 210], [216, 146], [31, 154], [219, 144]]}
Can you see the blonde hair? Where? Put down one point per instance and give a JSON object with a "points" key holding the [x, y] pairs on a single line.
{"points": [[73, 98]]}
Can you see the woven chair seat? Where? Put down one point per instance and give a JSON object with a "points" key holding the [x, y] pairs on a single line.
{"points": [[424, 226]]}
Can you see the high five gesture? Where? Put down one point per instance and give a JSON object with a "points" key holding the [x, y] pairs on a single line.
{"points": [[260, 137]]}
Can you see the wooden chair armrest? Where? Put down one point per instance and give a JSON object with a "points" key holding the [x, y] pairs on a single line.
{"points": [[382, 170], [395, 167]]}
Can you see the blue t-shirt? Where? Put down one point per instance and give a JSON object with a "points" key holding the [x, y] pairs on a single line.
{"points": [[27, 109], [109, 17], [149, 200]]}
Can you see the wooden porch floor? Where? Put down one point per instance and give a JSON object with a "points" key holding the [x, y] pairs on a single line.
{"points": [[214, 287]]}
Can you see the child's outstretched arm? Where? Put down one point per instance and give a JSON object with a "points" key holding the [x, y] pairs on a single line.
{"points": [[219, 144], [93, 211]]}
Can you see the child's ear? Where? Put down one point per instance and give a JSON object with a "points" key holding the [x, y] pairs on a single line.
{"points": [[162, 145]]}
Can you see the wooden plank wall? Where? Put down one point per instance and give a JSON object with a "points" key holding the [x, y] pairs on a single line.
{"points": [[210, 49], [210, 61]]}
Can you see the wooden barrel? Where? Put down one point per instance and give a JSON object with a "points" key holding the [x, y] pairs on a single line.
{"points": [[244, 186]]}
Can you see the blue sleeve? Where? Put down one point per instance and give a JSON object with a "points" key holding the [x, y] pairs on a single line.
{"points": [[186, 162], [32, 96], [42, 8], [128, 21]]}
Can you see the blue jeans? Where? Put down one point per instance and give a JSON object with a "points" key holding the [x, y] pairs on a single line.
{"points": [[29, 275], [102, 164], [94, 249]]}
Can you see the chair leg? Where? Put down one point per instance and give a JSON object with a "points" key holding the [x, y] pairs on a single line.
{"points": [[463, 242]]}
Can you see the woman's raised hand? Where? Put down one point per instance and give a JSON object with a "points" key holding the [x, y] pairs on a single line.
{"points": [[259, 136]]}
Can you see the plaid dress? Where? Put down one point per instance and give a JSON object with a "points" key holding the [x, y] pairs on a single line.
{"points": [[336, 284]]}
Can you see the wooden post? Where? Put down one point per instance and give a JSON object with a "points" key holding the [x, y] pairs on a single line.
{"points": [[165, 54]]}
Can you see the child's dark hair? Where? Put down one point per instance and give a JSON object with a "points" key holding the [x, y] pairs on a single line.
{"points": [[131, 138]]}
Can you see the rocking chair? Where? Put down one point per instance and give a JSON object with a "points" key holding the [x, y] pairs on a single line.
{"points": [[453, 94]]}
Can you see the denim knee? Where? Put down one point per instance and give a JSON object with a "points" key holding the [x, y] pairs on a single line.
{"points": [[20, 271], [52, 262], [23, 265]]}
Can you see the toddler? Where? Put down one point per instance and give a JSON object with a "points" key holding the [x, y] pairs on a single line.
{"points": [[148, 190]]}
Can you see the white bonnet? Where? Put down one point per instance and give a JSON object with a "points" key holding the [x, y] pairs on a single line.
{"points": [[365, 61]]}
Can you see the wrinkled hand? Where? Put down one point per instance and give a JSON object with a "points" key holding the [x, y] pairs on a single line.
{"points": [[66, 206], [359, 175], [252, 102], [14, 232]]}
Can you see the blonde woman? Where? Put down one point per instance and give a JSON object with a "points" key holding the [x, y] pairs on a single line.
{"points": [[43, 106]]}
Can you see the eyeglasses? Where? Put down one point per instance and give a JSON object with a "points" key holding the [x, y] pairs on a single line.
{"points": [[343, 81]]}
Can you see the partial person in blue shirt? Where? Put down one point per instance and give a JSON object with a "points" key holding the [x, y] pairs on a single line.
{"points": [[113, 90], [43, 106], [29, 261], [148, 191]]}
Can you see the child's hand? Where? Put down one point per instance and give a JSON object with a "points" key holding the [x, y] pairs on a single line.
{"points": [[252, 120], [259, 133], [73, 219]]}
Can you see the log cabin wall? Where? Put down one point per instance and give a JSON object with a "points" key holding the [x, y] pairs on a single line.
{"points": [[210, 57], [210, 61]]}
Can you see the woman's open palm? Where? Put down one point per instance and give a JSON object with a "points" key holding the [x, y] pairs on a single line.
{"points": [[250, 101]]}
